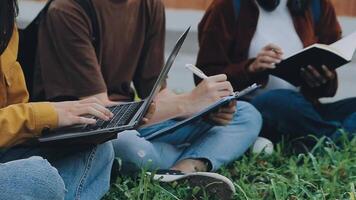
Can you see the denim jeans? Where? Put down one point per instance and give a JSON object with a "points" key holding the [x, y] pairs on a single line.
{"points": [[288, 112], [84, 170], [220, 145], [32, 178]]}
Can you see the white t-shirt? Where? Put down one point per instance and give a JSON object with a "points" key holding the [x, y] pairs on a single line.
{"points": [[276, 27]]}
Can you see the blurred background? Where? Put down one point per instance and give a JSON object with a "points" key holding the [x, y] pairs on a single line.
{"points": [[183, 13]]}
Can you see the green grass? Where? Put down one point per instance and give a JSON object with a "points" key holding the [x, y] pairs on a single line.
{"points": [[326, 172]]}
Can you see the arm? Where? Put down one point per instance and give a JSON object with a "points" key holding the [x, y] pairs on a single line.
{"points": [[152, 56], [20, 120], [216, 40], [23, 121], [170, 105], [328, 31]]}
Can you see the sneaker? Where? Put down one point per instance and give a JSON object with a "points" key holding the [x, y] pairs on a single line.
{"points": [[215, 184], [263, 145]]}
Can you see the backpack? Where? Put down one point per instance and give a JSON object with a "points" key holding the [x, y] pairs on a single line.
{"points": [[29, 40], [316, 10]]}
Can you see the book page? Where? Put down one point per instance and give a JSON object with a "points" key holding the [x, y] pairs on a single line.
{"points": [[346, 46]]}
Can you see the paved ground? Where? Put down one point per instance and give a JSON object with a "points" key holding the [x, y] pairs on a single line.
{"points": [[181, 80]]}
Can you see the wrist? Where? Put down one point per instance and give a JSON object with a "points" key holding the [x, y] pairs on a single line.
{"points": [[186, 105]]}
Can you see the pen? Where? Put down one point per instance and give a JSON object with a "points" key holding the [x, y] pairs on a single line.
{"points": [[199, 73], [196, 71]]}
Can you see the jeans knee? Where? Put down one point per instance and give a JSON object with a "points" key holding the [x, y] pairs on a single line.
{"points": [[106, 153], [51, 180], [135, 152], [250, 117], [32, 178]]}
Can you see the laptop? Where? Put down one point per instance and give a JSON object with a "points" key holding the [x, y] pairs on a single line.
{"points": [[127, 116]]}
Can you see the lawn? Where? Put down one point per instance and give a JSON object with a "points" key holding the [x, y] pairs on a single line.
{"points": [[327, 171]]}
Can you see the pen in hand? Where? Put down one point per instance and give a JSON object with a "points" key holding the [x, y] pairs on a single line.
{"points": [[196, 71]]}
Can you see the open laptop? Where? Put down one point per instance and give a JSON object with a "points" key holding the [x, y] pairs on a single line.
{"points": [[127, 116]]}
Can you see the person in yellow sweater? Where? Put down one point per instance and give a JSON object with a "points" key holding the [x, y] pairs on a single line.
{"points": [[40, 173]]}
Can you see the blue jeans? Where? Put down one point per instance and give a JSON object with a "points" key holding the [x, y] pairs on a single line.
{"points": [[288, 112], [85, 170], [220, 145], [32, 178]]}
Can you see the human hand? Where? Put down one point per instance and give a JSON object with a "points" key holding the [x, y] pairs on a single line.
{"points": [[266, 59], [314, 78], [103, 99], [208, 92], [74, 112], [224, 115]]}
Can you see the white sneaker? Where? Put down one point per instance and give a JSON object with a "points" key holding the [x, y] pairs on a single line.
{"points": [[215, 184], [263, 145]]}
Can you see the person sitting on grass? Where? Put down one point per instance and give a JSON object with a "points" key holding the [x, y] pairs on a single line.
{"points": [[247, 41], [131, 50], [25, 173]]}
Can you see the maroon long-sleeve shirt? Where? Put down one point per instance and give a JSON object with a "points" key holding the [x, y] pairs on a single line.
{"points": [[225, 39]]}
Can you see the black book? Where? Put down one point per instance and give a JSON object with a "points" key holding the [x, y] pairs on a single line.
{"points": [[333, 56]]}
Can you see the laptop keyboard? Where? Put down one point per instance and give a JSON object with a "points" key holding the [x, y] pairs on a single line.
{"points": [[123, 113]]}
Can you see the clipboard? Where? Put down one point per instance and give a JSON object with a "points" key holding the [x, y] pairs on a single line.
{"points": [[203, 113]]}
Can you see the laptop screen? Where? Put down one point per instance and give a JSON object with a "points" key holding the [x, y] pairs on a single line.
{"points": [[164, 72]]}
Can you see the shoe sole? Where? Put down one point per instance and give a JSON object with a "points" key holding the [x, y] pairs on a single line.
{"points": [[213, 183]]}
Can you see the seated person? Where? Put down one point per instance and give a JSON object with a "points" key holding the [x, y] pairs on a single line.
{"points": [[81, 173], [132, 51], [262, 34]]}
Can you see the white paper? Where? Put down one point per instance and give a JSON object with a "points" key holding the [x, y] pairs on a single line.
{"points": [[346, 46]]}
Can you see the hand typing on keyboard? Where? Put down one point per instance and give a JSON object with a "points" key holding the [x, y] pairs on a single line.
{"points": [[123, 113], [73, 112]]}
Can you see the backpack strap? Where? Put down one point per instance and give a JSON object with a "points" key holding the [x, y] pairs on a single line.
{"points": [[237, 7], [89, 9], [316, 11]]}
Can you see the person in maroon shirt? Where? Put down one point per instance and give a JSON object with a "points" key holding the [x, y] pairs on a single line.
{"points": [[246, 44]]}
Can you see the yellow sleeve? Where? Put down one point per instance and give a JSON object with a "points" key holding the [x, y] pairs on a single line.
{"points": [[23, 121]]}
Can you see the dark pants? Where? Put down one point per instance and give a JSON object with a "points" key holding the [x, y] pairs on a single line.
{"points": [[286, 112]]}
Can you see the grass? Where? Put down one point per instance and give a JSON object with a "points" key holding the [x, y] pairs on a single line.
{"points": [[326, 172]]}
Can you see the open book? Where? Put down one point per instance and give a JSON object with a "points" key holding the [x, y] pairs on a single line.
{"points": [[333, 56]]}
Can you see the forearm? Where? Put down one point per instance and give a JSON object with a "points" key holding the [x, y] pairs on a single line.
{"points": [[23, 121], [169, 106]]}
